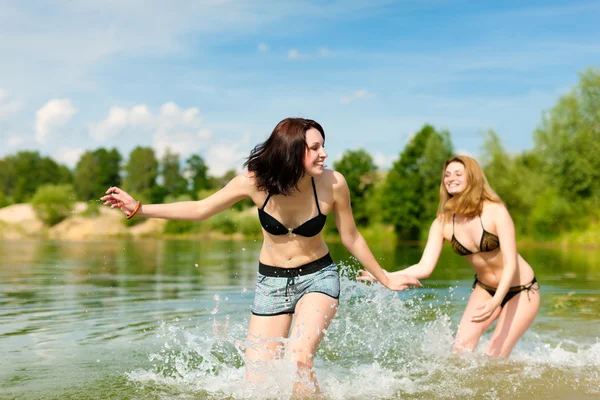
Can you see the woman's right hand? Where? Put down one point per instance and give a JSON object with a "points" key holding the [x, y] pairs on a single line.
{"points": [[118, 198]]}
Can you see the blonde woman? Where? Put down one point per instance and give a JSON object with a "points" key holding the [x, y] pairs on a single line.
{"points": [[478, 226]]}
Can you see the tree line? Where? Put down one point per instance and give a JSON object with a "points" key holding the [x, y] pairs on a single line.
{"points": [[550, 189], [149, 178]]}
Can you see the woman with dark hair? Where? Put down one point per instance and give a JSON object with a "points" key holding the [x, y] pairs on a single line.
{"points": [[294, 193], [474, 220]]}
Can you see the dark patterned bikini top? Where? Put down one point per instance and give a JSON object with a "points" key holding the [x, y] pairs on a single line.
{"points": [[489, 242], [312, 227]]}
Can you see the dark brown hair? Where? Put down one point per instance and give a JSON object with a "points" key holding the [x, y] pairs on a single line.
{"points": [[278, 163]]}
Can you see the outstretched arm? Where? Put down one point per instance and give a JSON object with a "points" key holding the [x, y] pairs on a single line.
{"points": [[237, 189], [354, 241], [429, 259], [431, 254]]}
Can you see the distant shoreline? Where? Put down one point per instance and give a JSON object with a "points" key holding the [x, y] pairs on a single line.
{"points": [[19, 222]]}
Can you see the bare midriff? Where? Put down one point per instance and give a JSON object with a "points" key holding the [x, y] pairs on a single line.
{"points": [[291, 251], [489, 266]]}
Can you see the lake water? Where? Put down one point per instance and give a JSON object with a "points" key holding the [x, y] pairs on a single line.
{"points": [[165, 320]]}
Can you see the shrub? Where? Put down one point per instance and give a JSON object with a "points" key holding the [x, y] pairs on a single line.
{"points": [[53, 203], [248, 225], [4, 201]]}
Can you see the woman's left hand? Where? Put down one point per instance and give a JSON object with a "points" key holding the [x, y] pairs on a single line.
{"points": [[367, 276], [484, 311], [401, 282], [395, 281]]}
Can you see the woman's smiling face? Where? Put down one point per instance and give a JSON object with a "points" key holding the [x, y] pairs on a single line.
{"points": [[315, 153], [455, 178]]}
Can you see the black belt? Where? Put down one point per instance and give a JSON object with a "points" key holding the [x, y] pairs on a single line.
{"points": [[292, 273]]}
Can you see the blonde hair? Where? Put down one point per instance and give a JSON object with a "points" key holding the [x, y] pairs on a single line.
{"points": [[470, 201]]}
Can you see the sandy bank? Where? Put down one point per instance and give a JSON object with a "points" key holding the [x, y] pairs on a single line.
{"points": [[19, 221]]}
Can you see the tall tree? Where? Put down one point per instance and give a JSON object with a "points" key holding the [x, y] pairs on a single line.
{"points": [[27, 171], [141, 172], [517, 179], [197, 172], [8, 178], [96, 171], [173, 181], [412, 185], [568, 140], [358, 168]]}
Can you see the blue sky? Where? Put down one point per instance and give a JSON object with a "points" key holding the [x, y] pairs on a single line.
{"points": [[214, 77]]}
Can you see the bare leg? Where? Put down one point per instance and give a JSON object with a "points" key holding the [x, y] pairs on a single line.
{"points": [[263, 343], [469, 333], [516, 316], [314, 312]]}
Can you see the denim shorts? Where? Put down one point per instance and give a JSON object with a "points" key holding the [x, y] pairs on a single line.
{"points": [[278, 290]]}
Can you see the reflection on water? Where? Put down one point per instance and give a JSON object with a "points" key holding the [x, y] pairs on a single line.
{"points": [[167, 319]]}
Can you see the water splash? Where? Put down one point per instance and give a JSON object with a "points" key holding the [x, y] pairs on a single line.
{"points": [[380, 345]]}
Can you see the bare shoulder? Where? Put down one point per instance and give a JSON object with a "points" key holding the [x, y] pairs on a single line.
{"points": [[334, 178], [496, 211], [244, 182]]}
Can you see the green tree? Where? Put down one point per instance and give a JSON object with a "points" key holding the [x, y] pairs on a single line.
{"points": [[197, 171], [173, 181], [53, 203], [3, 200], [412, 185], [27, 171], [141, 172], [568, 140], [8, 178], [358, 168], [567, 145], [95, 172], [518, 180], [551, 214]]}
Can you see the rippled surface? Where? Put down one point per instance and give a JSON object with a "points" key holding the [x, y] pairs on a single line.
{"points": [[166, 319]]}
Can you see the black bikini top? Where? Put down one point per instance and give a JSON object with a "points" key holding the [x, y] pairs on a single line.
{"points": [[312, 227], [489, 242]]}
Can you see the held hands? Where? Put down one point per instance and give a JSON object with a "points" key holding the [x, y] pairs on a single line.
{"points": [[484, 311], [394, 281], [118, 198]]}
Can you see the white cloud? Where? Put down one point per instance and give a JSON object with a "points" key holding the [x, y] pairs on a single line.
{"points": [[68, 155], [55, 114], [223, 157], [14, 141], [383, 161], [8, 107], [263, 47], [293, 54], [357, 95], [172, 127], [118, 120]]}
